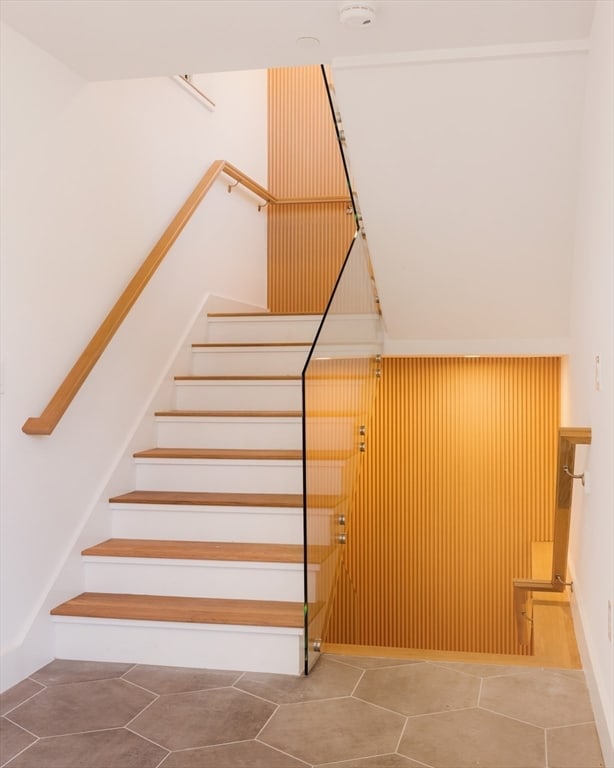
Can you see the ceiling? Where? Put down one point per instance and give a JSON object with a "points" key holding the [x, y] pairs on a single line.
{"points": [[111, 39]]}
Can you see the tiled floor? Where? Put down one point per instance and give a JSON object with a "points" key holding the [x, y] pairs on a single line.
{"points": [[349, 713]]}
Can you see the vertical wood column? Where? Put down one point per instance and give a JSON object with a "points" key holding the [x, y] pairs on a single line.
{"points": [[306, 243]]}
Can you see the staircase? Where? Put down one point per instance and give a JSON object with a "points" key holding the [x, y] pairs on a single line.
{"points": [[205, 567]]}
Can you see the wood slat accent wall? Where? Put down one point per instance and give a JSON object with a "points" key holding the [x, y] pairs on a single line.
{"points": [[458, 480], [306, 243]]}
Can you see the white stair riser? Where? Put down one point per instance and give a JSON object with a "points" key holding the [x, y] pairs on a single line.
{"points": [[226, 432], [238, 396], [260, 329], [264, 361], [237, 476], [348, 329], [219, 476], [217, 579], [210, 646], [243, 524]]}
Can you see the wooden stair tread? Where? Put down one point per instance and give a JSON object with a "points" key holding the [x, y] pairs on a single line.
{"points": [[237, 414], [207, 498], [219, 453], [199, 610], [198, 550], [249, 344], [239, 378], [265, 314]]}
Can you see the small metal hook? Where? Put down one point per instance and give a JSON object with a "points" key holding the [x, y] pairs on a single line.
{"points": [[231, 186], [262, 205], [564, 583], [570, 474]]}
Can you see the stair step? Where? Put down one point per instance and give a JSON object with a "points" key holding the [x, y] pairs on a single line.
{"points": [[205, 498], [261, 327], [237, 392], [234, 345], [257, 358], [190, 469], [198, 550], [205, 633], [229, 429], [231, 414], [218, 453], [221, 570], [201, 610], [238, 378], [221, 517]]}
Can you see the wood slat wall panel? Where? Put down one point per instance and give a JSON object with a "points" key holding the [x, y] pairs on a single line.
{"points": [[457, 483], [307, 243]]}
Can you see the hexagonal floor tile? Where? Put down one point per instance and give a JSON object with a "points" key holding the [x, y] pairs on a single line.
{"points": [[471, 737], [538, 697], [328, 680], [418, 689], [370, 662], [381, 761], [203, 718], [61, 671], [333, 730], [16, 695], [12, 740], [179, 679], [245, 754], [95, 750], [481, 670], [79, 707], [574, 745]]}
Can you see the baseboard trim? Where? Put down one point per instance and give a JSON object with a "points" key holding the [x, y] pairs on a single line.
{"points": [[606, 739], [419, 654]]}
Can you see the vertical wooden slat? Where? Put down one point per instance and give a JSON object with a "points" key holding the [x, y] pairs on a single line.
{"points": [[457, 483], [306, 243]]}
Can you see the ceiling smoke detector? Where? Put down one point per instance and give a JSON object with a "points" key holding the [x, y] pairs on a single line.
{"points": [[357, 14]]}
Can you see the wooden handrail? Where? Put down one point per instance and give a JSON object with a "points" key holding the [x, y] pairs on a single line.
{"points": [[569, 437], [50, 417], [244, 179]]}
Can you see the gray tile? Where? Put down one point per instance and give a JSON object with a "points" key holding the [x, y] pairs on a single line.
{"points": [[61, 671], [370, 662], [203, 718], [573, 746], [538, 697], [381, 761], [333, 730], [481, 670], [18, 694], [574, 674], [473, 737], [244, 754], [179, 679], [328, 680], [78, 707], [12, 740], [102, 749], [419, 689]]}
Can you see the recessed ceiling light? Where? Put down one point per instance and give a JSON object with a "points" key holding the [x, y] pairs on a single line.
{"points": [[356, 14], [307, 43]]}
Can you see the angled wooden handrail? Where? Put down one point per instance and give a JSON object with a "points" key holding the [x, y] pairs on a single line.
{"points": [[569, 437], [50, 417]]}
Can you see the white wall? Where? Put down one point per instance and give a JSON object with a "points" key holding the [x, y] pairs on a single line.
{"points": [[592, 328], [91, 176], [465, 163]]}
